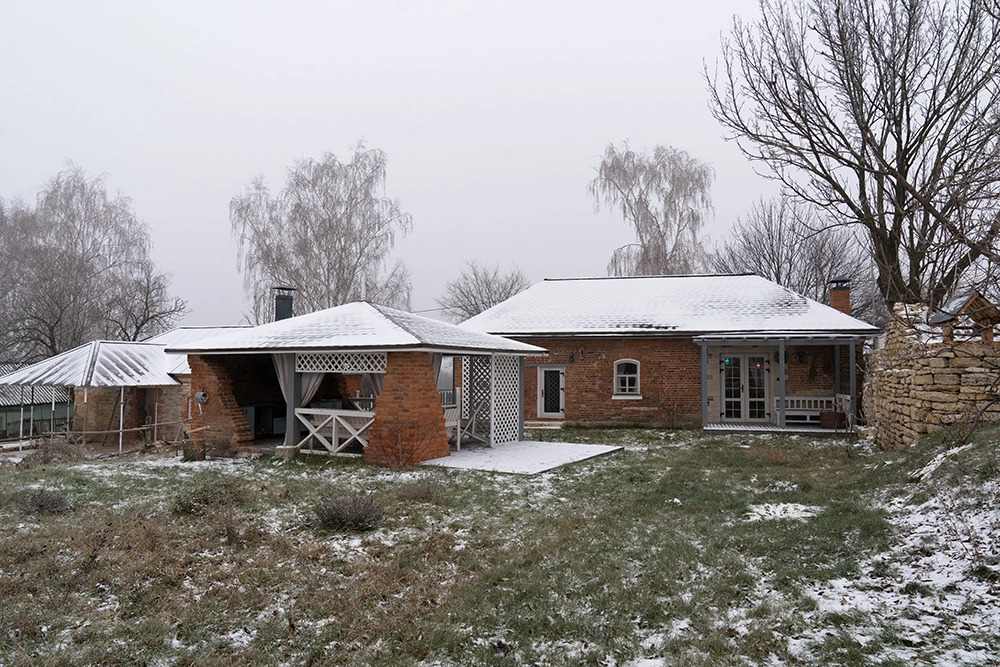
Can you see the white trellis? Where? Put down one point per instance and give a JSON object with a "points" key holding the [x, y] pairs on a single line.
{"points": [[340, 362], [505, 404], [491, 397]]}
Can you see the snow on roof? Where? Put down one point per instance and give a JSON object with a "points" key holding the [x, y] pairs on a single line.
{"points": [[100, 363], [10, 395], [662, 305], [177, 364], [355, 326]]}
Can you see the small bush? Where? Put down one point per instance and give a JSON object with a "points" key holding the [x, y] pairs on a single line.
{"points": [[214, 492], [52, 450], [47, 502], [425, 489], [358, 511]]}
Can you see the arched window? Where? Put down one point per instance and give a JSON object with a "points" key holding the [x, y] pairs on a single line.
{"points": [[627, 377]]}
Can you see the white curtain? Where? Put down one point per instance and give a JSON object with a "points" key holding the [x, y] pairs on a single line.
{"points": [[373, 382], [310, 381], [436, 364]]}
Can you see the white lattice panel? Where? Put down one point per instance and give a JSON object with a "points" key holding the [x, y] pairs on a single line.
{"points": [[505, 413], [476, 384], [339, 362]]}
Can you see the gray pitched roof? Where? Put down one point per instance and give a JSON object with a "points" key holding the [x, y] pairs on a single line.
{"points": [[13, 395], [355, 326], [177, 364], [100, 363], [662, 306]]}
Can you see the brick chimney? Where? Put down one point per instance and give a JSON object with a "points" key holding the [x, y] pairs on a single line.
{"points": [[840, 294], [283, 302]]}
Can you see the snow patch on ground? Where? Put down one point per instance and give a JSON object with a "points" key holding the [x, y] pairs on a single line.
{"points": [[781, 511], [936, 588]]}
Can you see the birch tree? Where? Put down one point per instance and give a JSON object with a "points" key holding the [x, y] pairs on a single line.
{"points": [[77, 268], [665, 196], [479, 288], [328, 232], [886, 115]]}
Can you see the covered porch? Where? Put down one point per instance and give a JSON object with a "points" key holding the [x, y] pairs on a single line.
{"points": [[801, 383]]}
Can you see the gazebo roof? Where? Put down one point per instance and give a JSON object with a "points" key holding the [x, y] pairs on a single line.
{"points": [[100, 363], [359, 326]]}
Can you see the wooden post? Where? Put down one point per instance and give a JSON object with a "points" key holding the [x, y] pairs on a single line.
{"points": [[704, 383], [781, 383]]}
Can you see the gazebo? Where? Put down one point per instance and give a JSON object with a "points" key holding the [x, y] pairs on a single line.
{"points": [[376, 371]]}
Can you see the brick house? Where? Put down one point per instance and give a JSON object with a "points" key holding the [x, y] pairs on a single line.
{"points": [[724, 351], [359, 374]]}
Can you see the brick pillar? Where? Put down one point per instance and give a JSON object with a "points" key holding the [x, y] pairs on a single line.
{"points": [[409, 421], [219, 422], [840, 298]]}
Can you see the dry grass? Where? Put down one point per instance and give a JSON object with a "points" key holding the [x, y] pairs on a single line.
{"points": [[643, 554]]}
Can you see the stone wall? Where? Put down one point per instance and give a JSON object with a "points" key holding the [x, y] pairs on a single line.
{"points": [[917, 385]]}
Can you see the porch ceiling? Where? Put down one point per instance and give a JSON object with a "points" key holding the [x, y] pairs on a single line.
{"points": [[787, 338]]}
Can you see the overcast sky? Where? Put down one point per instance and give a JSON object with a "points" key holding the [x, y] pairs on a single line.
{"points": [[492, 117]]}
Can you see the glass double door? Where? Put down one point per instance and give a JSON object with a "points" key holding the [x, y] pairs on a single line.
{"points": [[744, 387]]}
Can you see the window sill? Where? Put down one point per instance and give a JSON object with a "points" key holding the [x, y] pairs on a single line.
{"points": [[626, 397]]}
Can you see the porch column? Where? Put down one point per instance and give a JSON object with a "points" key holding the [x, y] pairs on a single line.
{"points": [[836, 370], [854, 380], [520, 398], [781, 382], [293, 385], [704, 382]]}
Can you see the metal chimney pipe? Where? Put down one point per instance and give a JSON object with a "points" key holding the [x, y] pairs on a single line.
{"points": [[283, 302]]}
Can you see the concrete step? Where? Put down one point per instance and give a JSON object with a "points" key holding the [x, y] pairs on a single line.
{"points": [[547, 425]]}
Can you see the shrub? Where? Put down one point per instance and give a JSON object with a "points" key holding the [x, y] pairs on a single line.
{"points": [[214, 492], [425, 489], [357, 511], [52, 450], [44, 501]]}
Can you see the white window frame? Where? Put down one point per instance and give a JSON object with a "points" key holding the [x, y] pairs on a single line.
{"points": [[627, 395]]}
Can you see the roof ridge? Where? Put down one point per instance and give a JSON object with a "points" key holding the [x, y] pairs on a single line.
{"points": [[671, 275], [381, 310]]}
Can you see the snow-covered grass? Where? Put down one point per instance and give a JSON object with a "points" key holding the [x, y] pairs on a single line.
{"points": [[681, 548]]}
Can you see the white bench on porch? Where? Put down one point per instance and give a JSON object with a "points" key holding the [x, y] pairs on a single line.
{"points": [[804, 409], [335, 429]]}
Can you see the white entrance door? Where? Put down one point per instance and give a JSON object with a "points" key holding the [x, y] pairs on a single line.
{"points": [[744, 387], [551, 392]]}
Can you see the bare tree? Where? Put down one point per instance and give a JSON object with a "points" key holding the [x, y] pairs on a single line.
{"points": [[884, 113], [78, 268], [784, 242], [665, 196], [328, 233], [479, 288]]}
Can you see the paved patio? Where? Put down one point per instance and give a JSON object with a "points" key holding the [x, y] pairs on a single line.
{"points": [[520, 458]]}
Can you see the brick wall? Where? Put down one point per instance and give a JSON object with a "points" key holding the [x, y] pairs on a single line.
{"points": [[173, 408], [670, 378], [220, 422], [409, 422], [100, 414], [915, 387]]}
